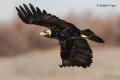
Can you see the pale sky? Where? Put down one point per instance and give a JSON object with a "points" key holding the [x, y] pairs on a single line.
{"points": [[60, 7]]}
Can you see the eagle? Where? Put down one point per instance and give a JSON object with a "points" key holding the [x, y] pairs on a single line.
{"points": [[74, 48]]}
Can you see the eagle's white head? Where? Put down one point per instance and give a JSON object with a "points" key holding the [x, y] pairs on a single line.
{"points": [[46, 33]]}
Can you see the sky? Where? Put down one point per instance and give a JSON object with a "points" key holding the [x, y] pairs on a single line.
{"points": [[60, 7]]}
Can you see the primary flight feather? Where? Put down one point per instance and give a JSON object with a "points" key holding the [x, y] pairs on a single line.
{"points": [[75, 50]]}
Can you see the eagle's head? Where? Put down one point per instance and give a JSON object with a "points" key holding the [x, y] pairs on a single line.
{"points": [[46, 33]]}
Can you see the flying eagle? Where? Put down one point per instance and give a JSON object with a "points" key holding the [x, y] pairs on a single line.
{"points": [[75, 50]]}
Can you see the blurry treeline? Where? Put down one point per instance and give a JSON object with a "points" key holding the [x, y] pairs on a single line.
{"points": [[17, 37]]}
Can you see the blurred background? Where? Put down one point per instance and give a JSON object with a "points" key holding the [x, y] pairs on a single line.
{"points": [[24, 55]]}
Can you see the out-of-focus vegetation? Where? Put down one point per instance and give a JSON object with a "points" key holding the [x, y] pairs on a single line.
{"points": [[18, 37]]}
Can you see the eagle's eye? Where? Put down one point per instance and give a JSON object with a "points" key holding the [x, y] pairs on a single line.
{"points": [[46, 33]]}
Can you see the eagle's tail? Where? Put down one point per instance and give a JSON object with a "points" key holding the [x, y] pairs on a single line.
{"points": [[88, 34]]}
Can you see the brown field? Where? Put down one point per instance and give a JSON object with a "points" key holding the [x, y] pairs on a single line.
{"points": [[44, 65], [23, 55]]}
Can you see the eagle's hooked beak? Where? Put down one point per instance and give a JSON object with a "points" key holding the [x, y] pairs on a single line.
{"points": [[84, 36], [46, 33]]}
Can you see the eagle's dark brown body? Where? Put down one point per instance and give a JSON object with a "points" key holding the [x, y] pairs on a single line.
{"points": [[75, 50]]}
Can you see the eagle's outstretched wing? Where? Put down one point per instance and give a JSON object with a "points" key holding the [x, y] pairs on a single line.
{"points": [[33, 15], [75, 52]]}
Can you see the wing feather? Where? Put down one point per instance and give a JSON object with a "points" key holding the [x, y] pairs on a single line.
{"points": [[33, 15], [76, 52], [82, 53]]}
